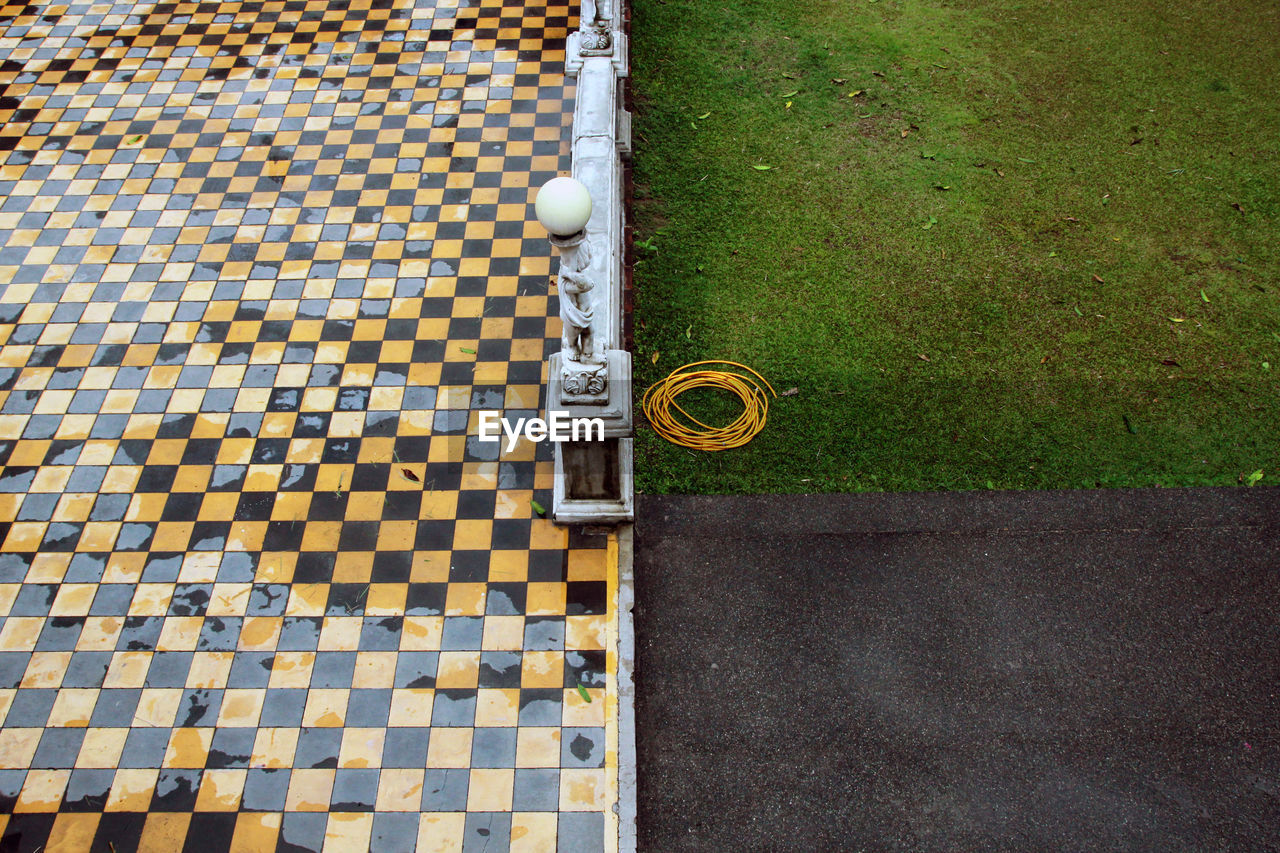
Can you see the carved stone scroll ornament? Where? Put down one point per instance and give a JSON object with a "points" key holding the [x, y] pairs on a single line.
{"points": [[597, 27]]}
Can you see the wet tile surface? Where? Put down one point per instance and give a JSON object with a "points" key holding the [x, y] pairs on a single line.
{"points": [[260, 587]]}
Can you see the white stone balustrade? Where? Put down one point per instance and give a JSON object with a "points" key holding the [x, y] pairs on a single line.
{"points": [[593, 480]]}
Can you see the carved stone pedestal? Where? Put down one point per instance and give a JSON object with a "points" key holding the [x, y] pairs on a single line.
{"points": [[613, 406]]}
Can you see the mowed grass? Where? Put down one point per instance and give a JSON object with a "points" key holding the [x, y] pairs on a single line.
{"points": [[997, 245]]}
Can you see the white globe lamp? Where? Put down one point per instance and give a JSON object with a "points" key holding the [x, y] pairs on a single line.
{"points": [[563, 206]]}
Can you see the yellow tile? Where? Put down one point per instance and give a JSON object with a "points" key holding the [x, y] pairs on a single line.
{"points": [[308, 599], [180, 634], [583, 790], [309, 790], [241, 707], [326, 708], [374, 670], [411, 707], [533, 832], [458, 670], [164, 832], [576, 711], [73, 707], [386, 599], [260, 633], [353, 567], [510, 566], [546, 599], [340, 633], [209, 670], [157, 707], [473, 534], [17, 746], [151, 599], [292, 669], [101, 748], [74, 599], [538, 746], [586, 564], [220, 790], [497, 707], [421, 633], [42, 791], [347, 831], [465, 599], [430, 567], [188, 747], [361, 747], [274, 747], [229, 599], [490, 790], [441, 832], [45, 669], [585, 632], [127, 669], [256, 832], [451, 747], [399, 790], [503, 633], [72, 833], [131, 790], [20, 633], [542, 669]]}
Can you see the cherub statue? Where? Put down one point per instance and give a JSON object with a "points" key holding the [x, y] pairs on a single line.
{"points": [[597, 14], [577, 340]]}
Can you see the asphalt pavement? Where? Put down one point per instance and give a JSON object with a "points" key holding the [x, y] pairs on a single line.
{"points": [[1094, 670]]}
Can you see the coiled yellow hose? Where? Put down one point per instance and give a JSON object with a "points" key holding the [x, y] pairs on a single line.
{"points": [[659, 406]]}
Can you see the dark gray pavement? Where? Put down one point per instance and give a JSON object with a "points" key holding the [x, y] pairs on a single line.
{"points": [[973, 671]]}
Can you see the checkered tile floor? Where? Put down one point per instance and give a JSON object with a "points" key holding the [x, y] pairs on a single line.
{"points": [[262, 588]]}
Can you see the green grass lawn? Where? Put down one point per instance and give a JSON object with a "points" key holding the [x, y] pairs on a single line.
{"points": [[998, 244]]}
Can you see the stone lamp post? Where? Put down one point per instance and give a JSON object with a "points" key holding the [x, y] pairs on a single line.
{"points": [[590, 377], [563, 206]]}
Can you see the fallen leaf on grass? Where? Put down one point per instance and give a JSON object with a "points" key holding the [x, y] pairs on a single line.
{"points": [[1128, 424], [790, 392], [1025, 160], [905, 131], [1098, 279], [654, 358], [933, 220], [791, 94], [704, 115], [855, 93], [923, 357], [1203, 296], [1252, 479], [537, 507], [761, 168], [788, 76], [1168, 362], [1177, 319], [839, 81]]}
